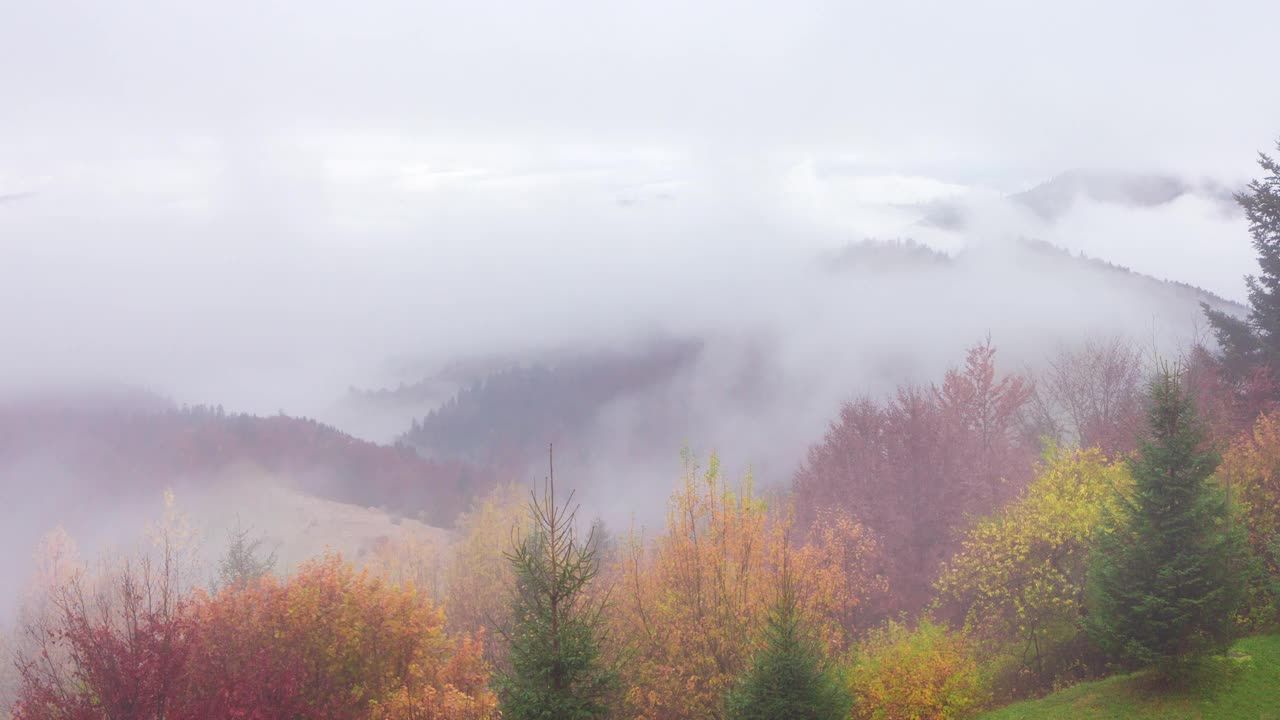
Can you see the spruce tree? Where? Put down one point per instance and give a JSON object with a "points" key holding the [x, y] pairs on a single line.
{"points": [[1256, 339], [787, 679], [1167, 571], [557, 668], [245, 561]]}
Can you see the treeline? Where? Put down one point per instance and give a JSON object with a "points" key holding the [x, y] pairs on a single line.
{"points": [[506, 417], [128, 451]]}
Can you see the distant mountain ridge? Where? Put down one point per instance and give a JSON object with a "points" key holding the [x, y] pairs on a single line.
{"points": [[511, 414], [110, 452], [1052, 199], [906, 255], [507, 417], [494, 424]]}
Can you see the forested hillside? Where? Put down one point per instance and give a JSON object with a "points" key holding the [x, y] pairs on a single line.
{"points": [[119, 451]]}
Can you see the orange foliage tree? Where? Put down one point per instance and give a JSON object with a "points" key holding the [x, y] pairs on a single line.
{"points": [[330, 644], [690, 603], [837, 571]]}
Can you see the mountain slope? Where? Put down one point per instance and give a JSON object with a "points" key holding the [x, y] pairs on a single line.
{"points": [[761, 398], [511, 415]]}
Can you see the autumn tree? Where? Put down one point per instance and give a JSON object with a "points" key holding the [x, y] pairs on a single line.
{"points": [[985, 412], [113, 648], [174, 545], [912, 470], [1250, 477], [838, 577], [1091, 395], [1228, 402], [1019, 580], [1255, 340], [479, 578], [891, 468], [57, 564], [557, 666], [114, 645], [414, 557], [330, 643], [789, 679], [927, 671], [690, 602], [921, 499], [1166, 574], [133, 642], [9, 679]]}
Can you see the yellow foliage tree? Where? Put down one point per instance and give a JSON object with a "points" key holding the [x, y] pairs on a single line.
{"points": [[926, 673], [480, 579], [1019, 579], [175, 546], [412, 558]]}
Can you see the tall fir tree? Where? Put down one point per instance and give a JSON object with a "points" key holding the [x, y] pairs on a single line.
{"points": [[1167, 572], [788, 679], [557, 669], [1256, 339]]}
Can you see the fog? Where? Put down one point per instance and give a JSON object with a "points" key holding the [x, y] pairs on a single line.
{"points": [[211, 198], [261, 204], [266, 291]]}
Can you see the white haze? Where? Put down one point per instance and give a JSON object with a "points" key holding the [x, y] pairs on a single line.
{"points": [[263, 305], [260, 204]]}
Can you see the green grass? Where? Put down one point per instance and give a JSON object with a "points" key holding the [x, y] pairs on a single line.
{"points": [[1243, 686]]}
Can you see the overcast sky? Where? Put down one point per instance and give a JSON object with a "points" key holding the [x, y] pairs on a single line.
{"points": [[974, 89], [261, 182]]}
